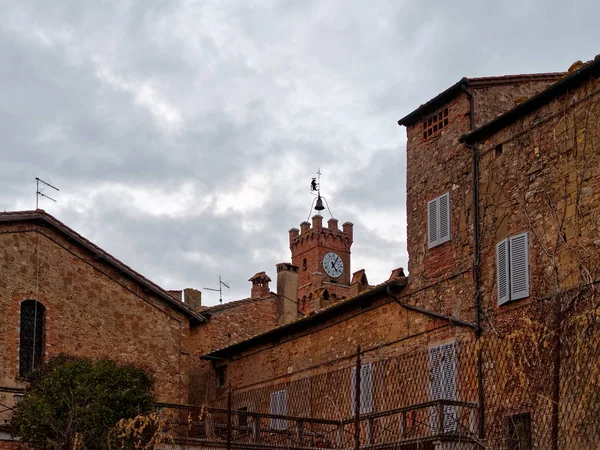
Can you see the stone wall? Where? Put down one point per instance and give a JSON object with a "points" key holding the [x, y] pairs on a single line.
{"points": [[540, 175], [380, 326], [91, 310], [228, 323]]}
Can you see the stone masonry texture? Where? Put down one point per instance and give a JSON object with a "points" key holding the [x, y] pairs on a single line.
{"points": [[92, 310]]}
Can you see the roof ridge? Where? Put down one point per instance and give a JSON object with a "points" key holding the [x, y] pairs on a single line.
{"points": [[7, 216]]}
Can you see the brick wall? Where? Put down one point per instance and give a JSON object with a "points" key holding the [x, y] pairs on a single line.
{"points": [[92, 310], [381, 327], [311, 244], [228, 323]]}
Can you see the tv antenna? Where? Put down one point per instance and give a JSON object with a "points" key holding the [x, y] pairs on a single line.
{"points": [[220, 290], [39, 192]]}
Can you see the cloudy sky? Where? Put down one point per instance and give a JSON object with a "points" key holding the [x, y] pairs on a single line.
{"points": [[183, 134]]}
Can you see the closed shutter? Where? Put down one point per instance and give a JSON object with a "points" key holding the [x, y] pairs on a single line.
{"points": [[502, 267], [443, 384], [519, 267], [366, 389], [432, 223], [278, 407], [444, 218]]}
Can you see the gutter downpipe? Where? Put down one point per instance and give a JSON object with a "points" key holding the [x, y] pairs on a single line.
{"points": [[476, 262]]}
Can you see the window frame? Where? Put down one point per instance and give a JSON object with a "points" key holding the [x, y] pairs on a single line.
{"points": [[366, 389], [435, 219], [440, 388], [278, 407], [221, 376], [433, 124], [38, 343], [512, 263]]}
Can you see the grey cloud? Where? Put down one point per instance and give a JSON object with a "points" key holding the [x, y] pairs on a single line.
{"points": [[118, 101]]}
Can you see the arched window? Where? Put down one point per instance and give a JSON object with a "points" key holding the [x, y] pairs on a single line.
{"points": [[31, 343]]}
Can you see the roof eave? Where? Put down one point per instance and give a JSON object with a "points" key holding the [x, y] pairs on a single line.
{"points": [[433, 104], [533, 103], [318, 317], [101, 254]]}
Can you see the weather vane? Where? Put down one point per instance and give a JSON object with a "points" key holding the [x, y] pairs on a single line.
{"points": [[315, 186], [220, 290], [39, 193]]}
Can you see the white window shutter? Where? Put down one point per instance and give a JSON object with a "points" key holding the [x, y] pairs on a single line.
{"points": [[519, 266], [449, 387], [432, 223], [502, 268], [435, 383], [278, 407], [443, 384], [443, 218], [353, 391], [366, 388]]}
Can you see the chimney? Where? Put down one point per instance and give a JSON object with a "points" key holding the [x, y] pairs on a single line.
{"points": [[396, 274], [347, 227], [287, 291], [317, 222], [304, 227], [260, 285], [176, 294], [332, 224], [293, 235], [192, 298]]}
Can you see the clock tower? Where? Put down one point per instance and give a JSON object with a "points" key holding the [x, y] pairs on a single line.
{"points": [[322, 255]]}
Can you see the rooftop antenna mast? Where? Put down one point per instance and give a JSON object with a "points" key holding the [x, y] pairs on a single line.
{"points": [[315, 186], [39, 193], [220, 290]]}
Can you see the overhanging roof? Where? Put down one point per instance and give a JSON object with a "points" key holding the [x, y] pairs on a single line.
{"points": [[42, 216], [591, 69], [444, 97]]}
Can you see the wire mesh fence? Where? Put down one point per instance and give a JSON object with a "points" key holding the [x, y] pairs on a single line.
{"points": [[537, 387]]}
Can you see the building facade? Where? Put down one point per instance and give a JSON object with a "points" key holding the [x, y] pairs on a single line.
{"points": [[497, 314]]}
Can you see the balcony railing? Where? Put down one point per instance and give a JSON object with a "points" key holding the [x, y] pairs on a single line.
{"points": [[441, 420]]}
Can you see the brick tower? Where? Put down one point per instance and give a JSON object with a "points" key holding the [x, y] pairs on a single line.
{"points": [[322, 256]]}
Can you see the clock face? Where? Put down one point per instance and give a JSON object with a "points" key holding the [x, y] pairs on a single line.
{"points": [[333, 265]]}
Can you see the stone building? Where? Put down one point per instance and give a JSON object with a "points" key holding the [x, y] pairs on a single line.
{"points": [[502, 208], [480, 343]]}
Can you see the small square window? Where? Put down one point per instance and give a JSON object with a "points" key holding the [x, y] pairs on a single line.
{"points": [[435, 123]]}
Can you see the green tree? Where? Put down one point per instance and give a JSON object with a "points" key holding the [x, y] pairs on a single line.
{"points": [[74, 403]]}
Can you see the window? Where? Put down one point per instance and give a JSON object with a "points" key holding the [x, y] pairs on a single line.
{"points": [[438, 220], [279, 407], [243, 419], [31, 336], [304, 265], [519, 432], [221, 375], [366, 389], [512, 263], [443, 385], [434, 124]]}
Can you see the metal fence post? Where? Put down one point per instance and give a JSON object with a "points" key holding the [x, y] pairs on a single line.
{"points": [[229, 418], [357, 401]]}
